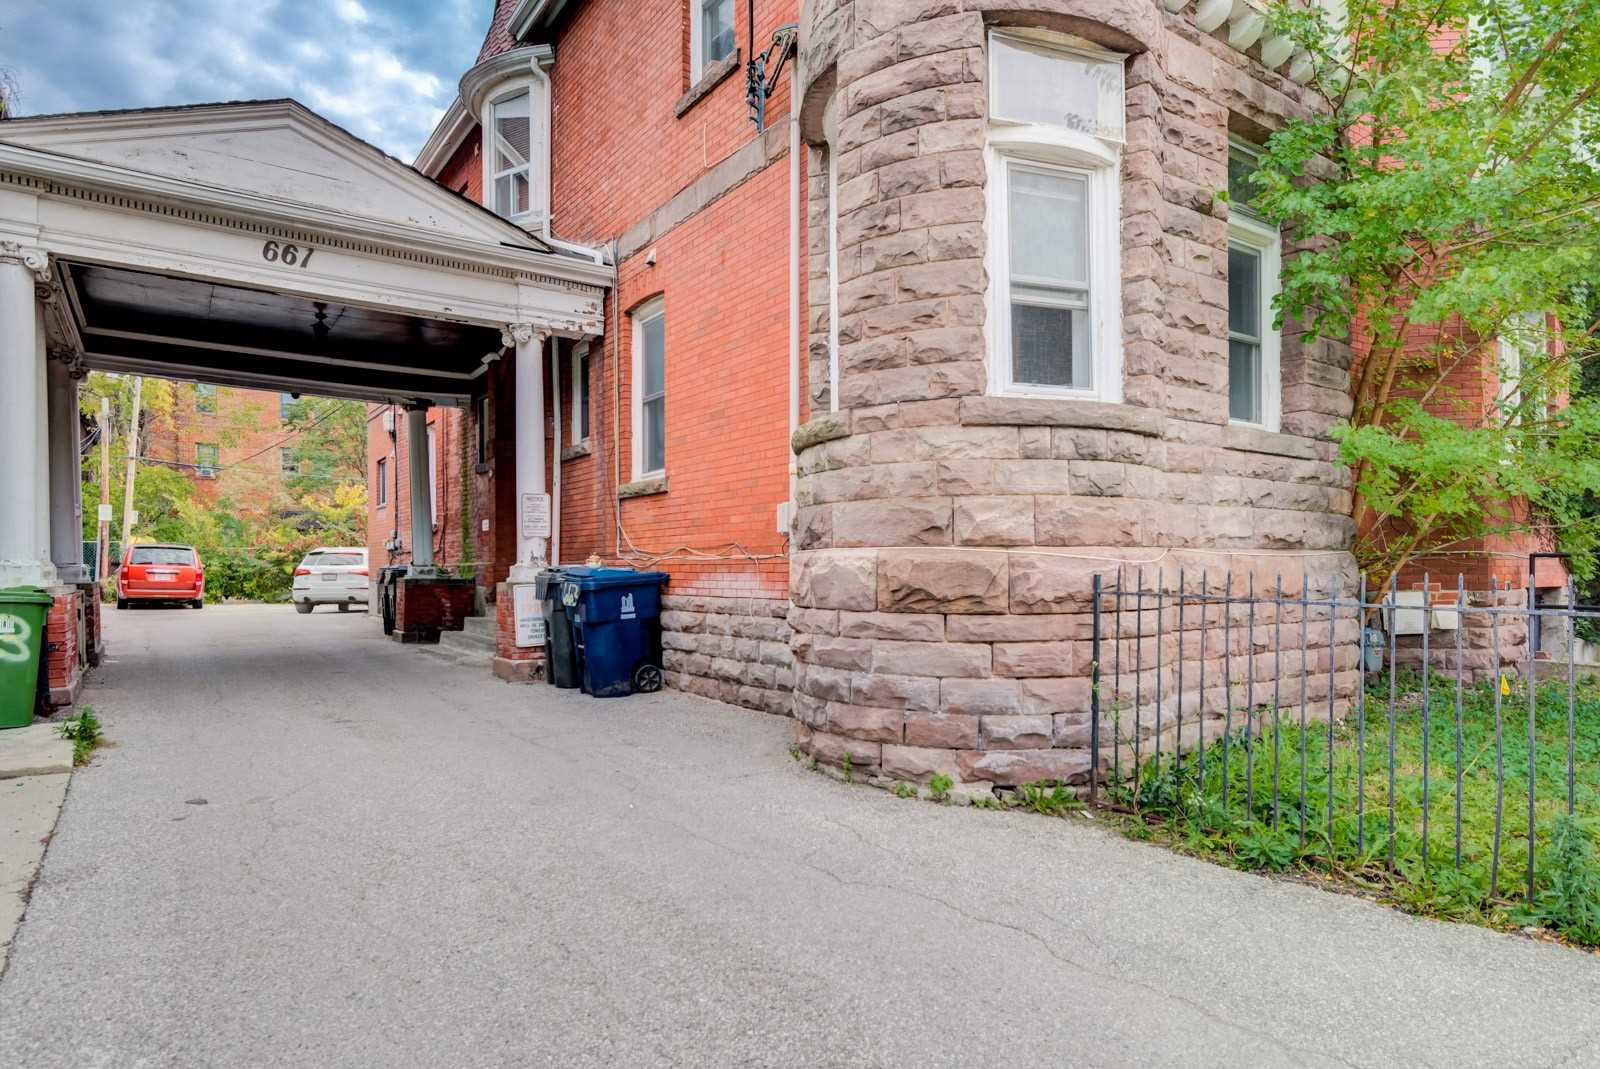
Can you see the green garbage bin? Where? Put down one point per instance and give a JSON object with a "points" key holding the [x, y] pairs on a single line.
{"points": [[22, 614]]}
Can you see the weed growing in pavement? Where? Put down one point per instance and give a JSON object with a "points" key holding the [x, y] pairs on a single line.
{"points": [[84, 733], [939, 786], [811, 764], [904, 790], [846, 767], [1051, 798]]}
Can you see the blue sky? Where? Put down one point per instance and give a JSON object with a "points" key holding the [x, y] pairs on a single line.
{"points": [[383, 69]]}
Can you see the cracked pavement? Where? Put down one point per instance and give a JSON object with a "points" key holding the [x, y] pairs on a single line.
{"points": [[402, 862]]}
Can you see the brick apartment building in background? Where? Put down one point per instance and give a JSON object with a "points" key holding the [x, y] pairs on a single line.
{"points": [[1034, 347], [215, 429]]}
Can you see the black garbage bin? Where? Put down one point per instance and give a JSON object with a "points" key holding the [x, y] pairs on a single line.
{"points": [[562, 668]]}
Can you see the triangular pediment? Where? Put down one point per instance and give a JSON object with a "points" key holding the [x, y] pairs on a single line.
{"points": [[278, 150]]}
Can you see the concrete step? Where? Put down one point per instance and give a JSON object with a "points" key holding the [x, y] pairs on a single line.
{"points": [[480, 625], [468, 643], [474, 660]]}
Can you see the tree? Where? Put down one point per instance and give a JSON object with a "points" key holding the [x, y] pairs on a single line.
{"points": [[1443, 211]]}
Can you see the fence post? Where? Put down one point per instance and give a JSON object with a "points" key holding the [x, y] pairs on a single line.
{"points": [[1094, 697]]}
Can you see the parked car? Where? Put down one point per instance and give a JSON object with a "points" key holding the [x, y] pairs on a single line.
{"points": [[332, 575], [161, 572]]}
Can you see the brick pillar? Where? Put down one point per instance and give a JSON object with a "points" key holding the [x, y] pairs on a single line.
{"points": [[62, 668], [426, 606], [94, 641], [513, 663]]}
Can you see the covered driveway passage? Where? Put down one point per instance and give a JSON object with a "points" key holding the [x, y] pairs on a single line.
{"points": [[249, 244]]}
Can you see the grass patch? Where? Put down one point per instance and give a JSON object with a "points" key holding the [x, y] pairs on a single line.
{"points": [[1280, 802], [84, 732]]}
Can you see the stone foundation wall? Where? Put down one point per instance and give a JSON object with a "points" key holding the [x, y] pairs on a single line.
{"points": [[1478, 639], [946, 538], [735, 650]]}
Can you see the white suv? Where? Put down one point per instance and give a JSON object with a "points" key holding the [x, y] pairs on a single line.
{"points": [[331, 576]]}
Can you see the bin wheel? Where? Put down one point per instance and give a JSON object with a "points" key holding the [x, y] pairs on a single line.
{"points": [[647, 680], [122, 603]]}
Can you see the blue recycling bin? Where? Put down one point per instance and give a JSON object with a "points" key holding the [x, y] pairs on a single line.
{"points": [[616, 622]]}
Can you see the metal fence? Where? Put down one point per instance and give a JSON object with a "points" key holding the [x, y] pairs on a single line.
{"points": [[1388, 732]]}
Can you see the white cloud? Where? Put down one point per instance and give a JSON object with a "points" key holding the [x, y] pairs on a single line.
{"points": [[383, 69]]}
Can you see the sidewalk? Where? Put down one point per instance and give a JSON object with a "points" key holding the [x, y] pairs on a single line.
{"points": [[312, 847], [35, 768]]}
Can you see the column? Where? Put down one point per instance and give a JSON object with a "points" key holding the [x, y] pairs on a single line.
{"points": [[24, 492], [421, 490], [66, 472], [531, 551]]}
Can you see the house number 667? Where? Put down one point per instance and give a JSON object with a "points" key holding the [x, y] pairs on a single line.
{"points": [[286, 254]]}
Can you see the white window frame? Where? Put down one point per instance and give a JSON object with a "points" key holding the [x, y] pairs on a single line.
{"points": [[1248, 232], [381, 473], [536, 168], [641, 315], [697, 42], [1097, 159], [580, 393]]}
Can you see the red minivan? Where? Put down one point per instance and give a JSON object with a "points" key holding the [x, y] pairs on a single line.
{"points": [[161, 573]]}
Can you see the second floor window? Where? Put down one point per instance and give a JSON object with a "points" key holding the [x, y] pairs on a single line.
{"points": [[205, 398], [710, 35], [205, 460], [381, 476], [288, 463], [512, 156], [580, 393]]}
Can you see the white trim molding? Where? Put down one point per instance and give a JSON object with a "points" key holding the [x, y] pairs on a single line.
{"points": [[1245, 24]]}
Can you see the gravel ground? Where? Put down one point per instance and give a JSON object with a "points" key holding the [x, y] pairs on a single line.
{"points": [[311, 846]]}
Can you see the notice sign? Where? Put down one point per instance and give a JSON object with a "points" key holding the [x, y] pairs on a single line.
{"points": [[105, 514], [535, 516], [528, 611]]}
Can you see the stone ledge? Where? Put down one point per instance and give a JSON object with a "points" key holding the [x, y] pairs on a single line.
{"points": [[1255, 440], [1051, 412], [582, 449], [642, 488], [822, 429], [713, 76]]}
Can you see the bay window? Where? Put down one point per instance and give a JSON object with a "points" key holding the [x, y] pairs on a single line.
{"points": [[1055, 133], [510, 150], [1254, 260]]}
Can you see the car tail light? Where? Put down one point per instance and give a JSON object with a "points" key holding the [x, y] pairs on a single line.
{"points": [[302, 571], [358, 571]]}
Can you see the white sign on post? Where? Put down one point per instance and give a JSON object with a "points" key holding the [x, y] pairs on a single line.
{"points": [[105, 513], [535, 516], [528, 611]]}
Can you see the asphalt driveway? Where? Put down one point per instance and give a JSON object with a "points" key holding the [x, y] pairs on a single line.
{"points": [[311, 846]]}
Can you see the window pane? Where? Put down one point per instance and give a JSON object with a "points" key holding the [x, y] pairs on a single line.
{"points": [[716, 29], [512, 132], [583, 397], [1049, 225], [655, 434], [1038, 84], [1244, 381], [1050, 346], [1242, 188], [1244, 291], [652, 335]]}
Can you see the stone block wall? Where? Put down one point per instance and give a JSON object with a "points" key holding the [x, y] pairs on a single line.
{"points": [[733, 649], [945, 540]]}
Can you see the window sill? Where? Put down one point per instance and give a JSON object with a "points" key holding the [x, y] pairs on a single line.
{"points": [[1003, 411], [713, 76], [1251, 438], [646, 487], [573, 452]]}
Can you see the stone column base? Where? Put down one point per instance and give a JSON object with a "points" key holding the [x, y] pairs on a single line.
{"points": [[513, 663], [426, 606], [63, 668]]}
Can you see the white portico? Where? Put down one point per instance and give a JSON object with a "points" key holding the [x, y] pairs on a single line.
{"points": [[252, 244]]}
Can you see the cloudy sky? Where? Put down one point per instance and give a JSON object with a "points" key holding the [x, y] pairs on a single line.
{"points": [[383, 69]]}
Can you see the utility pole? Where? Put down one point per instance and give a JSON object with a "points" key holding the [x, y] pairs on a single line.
{"points": [[133, 461], [103, 530]]}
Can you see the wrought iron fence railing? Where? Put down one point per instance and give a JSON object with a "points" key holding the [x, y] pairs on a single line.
{"points": [[1397, 732]]}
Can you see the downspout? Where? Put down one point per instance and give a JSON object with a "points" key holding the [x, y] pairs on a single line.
{"points": [[794, 284], [591, 254], [555, 452]]}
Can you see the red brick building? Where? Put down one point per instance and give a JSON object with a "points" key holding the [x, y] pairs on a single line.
{"points": [[651, 163], [228, 440]]}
